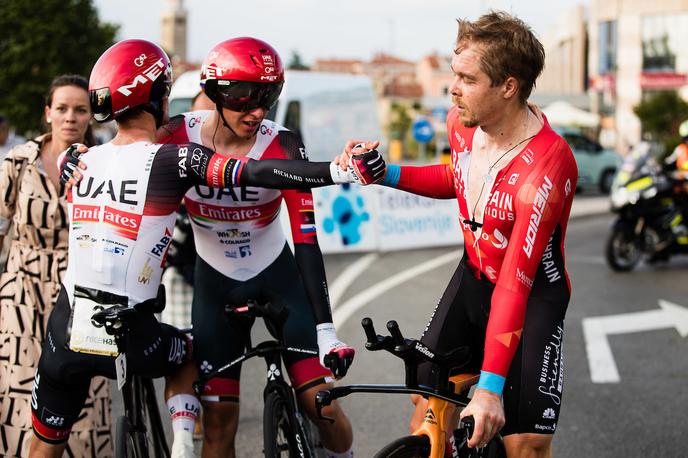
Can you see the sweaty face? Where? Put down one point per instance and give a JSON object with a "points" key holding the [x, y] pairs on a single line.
{"points": [[245, 124], [472, 90], [69, 114]]}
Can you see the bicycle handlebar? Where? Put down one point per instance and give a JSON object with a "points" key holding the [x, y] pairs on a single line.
{"points": [[393, 328], [371, 336], [410, 349], [412, 352], [114, 319]]}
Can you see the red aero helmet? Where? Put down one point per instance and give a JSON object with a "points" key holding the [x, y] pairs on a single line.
{"points": [[242, 74], [130, 74]]}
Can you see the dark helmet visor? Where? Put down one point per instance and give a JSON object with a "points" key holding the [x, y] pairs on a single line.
{"points": [[243, 95]]}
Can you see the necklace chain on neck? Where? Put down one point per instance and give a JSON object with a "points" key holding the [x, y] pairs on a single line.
{"points": [[488, 175], [488, 178]]}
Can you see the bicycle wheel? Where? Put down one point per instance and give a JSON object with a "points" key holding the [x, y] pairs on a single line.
{"points": [[125, 446], [312, 436], [281, 436], [406, 447]]}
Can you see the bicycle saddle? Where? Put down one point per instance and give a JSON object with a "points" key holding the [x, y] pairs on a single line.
{"points": [[275, 313]]}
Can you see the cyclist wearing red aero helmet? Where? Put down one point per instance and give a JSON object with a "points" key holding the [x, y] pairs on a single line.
{"points": [[242, 249]]}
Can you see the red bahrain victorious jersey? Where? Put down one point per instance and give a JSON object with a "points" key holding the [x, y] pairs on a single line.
{"points": [[237, 230], [522, 238]]}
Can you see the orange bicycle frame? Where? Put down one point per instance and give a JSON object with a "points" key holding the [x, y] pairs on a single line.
{"points": [[438, 415]]}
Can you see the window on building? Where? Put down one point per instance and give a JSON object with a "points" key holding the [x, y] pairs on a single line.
{"points": [[607, 47], [664, 39]]}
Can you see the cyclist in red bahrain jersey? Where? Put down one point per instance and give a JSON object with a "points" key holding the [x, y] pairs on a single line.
{"points": [[514, 180], [122, 214]]}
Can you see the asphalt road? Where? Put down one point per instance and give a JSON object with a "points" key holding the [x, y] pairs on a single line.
{"points": [[643, 415]]}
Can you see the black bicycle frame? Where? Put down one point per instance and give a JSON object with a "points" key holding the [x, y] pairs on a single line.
{"points": [[276, 383], [139, 391], [271, 351]]}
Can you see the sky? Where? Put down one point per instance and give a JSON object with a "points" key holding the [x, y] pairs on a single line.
{"points": [[352, 29]]}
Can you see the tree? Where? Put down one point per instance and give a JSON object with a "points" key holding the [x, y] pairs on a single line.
{"points": [[660, 115], [295, 63], [42, 39], [400, 121]]}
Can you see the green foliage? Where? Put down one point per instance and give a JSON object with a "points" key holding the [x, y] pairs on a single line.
{"points": [[295, 63], [400, 121], [42, 39], [660, 115]]}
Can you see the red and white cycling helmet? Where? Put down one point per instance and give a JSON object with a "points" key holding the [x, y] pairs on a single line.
{"points": [[242, 74], [130, 74]]}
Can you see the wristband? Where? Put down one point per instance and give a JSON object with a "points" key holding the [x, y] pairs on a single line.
{"points": [[392, 177], [491, 382]]}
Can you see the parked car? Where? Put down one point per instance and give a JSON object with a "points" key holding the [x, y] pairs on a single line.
{"points": [[596, 165]]}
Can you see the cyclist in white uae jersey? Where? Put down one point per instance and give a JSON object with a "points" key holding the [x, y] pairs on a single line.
{"points": [[121, 214], [242, 247], [237, 230]]}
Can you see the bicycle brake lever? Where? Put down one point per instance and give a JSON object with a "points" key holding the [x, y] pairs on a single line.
{"points": [[323, 399]]}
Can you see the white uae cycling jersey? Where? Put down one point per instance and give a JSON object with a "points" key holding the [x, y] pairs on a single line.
{"points": [[237, 230], [122, 213], [113, 245]]}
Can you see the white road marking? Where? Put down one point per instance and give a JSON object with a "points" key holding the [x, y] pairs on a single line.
{"points": [[348, 308], [348, 276], [596, 329]]}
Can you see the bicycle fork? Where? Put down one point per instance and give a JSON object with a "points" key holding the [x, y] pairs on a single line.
{"points": [[437, 417], [277, 383]]}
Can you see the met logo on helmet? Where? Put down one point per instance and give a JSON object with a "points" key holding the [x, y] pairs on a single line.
{"points": [[149, 74], [212, 71]]}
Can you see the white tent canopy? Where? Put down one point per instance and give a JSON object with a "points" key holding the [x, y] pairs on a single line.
{"points": [[562, 113]]}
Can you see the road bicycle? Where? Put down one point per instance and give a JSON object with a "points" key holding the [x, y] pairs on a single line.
{"points": [[444, 395], [286, 430], [140, 429]]}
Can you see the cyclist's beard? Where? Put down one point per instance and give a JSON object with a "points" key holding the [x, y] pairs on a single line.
{"points": [[471, 120]]}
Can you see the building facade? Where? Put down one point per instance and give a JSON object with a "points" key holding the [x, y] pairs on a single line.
{"points": [[636, 48], [565, 75], [174, 29]]}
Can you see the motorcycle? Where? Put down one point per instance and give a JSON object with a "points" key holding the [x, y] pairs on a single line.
{"points": [[649, 223]]}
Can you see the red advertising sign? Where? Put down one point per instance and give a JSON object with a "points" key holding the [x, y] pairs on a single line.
{"points": [[662, 80]]}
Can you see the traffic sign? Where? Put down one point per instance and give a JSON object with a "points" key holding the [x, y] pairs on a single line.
{"points": [[422, 130]]}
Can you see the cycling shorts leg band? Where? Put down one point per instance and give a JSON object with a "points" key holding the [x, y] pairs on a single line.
{"points": [[307, 373], [221, 390]]}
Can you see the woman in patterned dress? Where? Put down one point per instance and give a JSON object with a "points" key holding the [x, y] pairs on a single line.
{"points": [[33, 201]]}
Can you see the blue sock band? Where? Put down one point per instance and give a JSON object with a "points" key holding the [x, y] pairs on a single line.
{"points": [[392, 177], [491, 382]]}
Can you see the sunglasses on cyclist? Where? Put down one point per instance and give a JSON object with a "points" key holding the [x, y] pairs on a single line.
{"points": [[244, 96]]}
